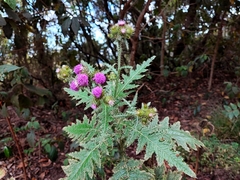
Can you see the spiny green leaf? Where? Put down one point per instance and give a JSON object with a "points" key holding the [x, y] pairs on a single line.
{"points": [[133, 76], [130, 170], [183, 138], [81, 97], [82, 131], [81, 164], [160, 138]]}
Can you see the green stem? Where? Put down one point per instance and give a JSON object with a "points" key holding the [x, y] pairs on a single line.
{"points": [[119, 48]]}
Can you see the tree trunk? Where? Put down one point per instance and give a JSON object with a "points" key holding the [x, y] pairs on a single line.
{"points": [[135, 37], [163, 44], [219, 37]]}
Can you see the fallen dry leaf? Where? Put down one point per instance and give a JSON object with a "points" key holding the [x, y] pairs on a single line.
{"points": [[45, 162], [2, 172], [42, 175]]}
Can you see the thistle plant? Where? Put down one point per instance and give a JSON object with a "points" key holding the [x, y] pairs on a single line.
{"points": [[110, 129]]}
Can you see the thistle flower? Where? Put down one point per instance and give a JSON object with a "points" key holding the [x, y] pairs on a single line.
{"points": [[121, 30], [82, 79], [99, 78], [78, 69], [121, 22], [74, 85], [97, 91]]}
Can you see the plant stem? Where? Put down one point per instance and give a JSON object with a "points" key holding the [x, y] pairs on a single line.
{"points": [[119, 48], [18, 146]]}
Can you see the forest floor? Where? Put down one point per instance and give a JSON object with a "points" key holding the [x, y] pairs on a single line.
{"points": [[182, 99]]}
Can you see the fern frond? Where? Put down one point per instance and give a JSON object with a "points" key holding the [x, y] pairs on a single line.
{"points": [[82, 131], [157, 138], [133, 76], [130, 170], [81, 97], [82, 164]]}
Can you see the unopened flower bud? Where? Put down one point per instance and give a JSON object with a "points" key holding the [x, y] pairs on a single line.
{"points": [[94, 106]]}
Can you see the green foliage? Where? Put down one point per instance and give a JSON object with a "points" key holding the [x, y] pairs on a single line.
{"points": [[225, 128], [162, 140], [17, 95], [232, 112], [128, 80], [222, 155], [11, 3], [231, 89], [130, 170]]}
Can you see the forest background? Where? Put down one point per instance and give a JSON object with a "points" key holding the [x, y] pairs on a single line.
{"points": [[194, 41]]}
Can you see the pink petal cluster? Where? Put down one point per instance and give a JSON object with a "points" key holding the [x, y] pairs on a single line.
{"points": [[121, 22], [99, 78], [82, 79], [97, 91], [78, 69], [74, 85], [123, 30]]}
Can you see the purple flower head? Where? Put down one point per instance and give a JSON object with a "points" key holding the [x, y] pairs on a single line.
{"points": [[74, 85], [94, 106], [82, 79], [78, 69], [99, 78], [97, 92], [121, 22]]}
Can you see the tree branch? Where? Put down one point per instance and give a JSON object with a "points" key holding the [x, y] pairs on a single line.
{"points": [[135, 37]]}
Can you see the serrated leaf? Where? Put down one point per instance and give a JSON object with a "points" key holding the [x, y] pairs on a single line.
{"points": [[133, 76], [81, 97], [82, 131], [82, 163], [75, 26], [183, 138], [160, 138], [130, 170]]}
